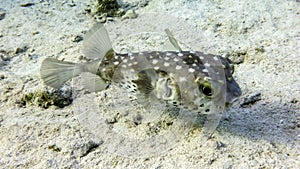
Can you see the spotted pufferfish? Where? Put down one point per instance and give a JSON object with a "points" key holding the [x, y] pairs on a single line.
{"points": [[185, 79]]}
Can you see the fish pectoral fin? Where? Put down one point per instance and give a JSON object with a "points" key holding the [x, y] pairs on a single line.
{"points": [[144, 87], [93, 82], [143, 100], [150, 103], [143, 83], [97, 42]]}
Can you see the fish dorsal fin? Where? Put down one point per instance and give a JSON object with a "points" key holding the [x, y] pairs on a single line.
{"points": [[173, 41], [96, 43], [168, 46]]}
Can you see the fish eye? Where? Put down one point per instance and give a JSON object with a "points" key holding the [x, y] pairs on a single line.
{"points": [[206, 89]]}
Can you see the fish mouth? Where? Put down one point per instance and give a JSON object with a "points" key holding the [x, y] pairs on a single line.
{"points": [[233, 94], [232, 102]]}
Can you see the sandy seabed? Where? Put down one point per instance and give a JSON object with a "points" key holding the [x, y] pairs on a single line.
{"points": [[261, 37]]}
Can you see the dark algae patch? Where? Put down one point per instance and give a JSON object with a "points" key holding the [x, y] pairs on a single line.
{"points": [[108, 7], [45, 99]]}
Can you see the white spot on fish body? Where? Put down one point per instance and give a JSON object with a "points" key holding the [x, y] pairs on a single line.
{"points": [[135, 63], [182, 79], [154, 61], [194, 65], [129, 64], [176, 59], [130, 54], [180, 54], [168, 54], [125, 60], [156, 67], [216, 58], [167, 64], [167, 58], [116, 63], [192, 52], [201, 57], [206, 64], [191, 70], [221, 82], [207, 78], [104, 69], [178, 67], [150, 57], [205, 70]]}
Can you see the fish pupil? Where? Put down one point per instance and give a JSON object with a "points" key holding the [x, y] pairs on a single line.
{"points": [[206, 90]]}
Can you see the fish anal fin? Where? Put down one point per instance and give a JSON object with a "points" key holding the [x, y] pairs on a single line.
{"points": [[93, 82]]}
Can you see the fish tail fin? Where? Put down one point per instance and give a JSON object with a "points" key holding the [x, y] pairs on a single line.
{"points": [[55, 73], [97, 43]]}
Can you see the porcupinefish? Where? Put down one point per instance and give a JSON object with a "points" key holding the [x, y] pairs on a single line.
{"points": [[187, 79]]}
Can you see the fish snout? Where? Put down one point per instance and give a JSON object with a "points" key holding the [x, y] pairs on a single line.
{"points": [[233, 93]]}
